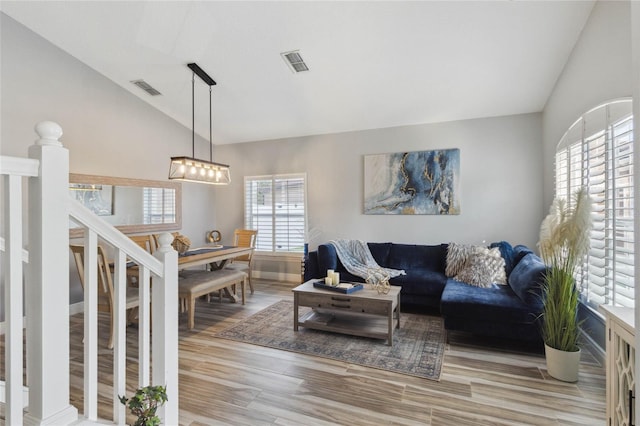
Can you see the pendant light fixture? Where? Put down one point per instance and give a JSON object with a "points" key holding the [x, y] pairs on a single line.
{"points": [[191, 169]]}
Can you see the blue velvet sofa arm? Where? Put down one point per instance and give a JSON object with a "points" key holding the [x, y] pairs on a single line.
{"points": [[311, 270]]}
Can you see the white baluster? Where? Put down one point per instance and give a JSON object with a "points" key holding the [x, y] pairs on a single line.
{"points": [[90, 325], [13, 273], [120, 335], [144, 328], [165, 328]]}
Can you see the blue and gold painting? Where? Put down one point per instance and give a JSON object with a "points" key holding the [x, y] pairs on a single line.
{"points": [[420, 182]]}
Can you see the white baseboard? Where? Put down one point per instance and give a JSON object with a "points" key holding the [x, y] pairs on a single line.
{"points": [[276, 276]]}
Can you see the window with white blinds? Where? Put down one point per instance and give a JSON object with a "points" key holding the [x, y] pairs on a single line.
{"points": [[276, 206], [158, 205], [597, 152]]}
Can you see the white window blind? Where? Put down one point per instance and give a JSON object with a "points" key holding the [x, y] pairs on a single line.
{"points": [[276, 207], [597, 152], [158, 205]]}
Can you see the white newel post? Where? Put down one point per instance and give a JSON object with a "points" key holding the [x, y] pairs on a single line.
{"points": [[47, 294], [164, 339]]}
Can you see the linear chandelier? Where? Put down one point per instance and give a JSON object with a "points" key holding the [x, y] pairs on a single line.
{"points": [[191, 169]]}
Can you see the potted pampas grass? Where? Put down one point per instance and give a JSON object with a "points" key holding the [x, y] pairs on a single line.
{"points": [[564, 241]]}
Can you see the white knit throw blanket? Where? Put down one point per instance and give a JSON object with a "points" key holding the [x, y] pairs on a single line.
{"points": [[357, 259]]}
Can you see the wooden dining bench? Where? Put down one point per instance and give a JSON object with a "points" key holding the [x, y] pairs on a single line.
{"points": [[193, 284]]}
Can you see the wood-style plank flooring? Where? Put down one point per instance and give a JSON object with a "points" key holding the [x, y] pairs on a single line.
{"points": [[225, 382]]}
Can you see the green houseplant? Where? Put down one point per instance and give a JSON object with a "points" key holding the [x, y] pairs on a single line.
{"points": [[144, 404], [564, 241]]}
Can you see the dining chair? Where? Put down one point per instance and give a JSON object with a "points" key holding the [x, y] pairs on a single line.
{"points": [[243, 238], [147, 242], [105, 287]]}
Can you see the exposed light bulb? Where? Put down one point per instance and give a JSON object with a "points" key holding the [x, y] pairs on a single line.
{"points": [[193, 170], [210, 172], [182, 168], [202, 171]]}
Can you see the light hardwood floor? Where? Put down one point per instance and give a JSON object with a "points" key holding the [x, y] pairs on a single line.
{"points": [[225, 382]]}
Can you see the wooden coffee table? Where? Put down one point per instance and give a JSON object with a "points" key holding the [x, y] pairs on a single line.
{"points": [[361, 313]]}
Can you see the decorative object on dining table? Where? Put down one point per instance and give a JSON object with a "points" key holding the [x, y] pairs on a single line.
{"points": [[379, 280], [214, 236], [181, 243], [345, 288]]}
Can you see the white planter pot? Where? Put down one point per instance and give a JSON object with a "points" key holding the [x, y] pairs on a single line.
{"points": [[562, 365]]}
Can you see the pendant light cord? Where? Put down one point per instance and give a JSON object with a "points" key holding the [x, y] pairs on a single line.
{"points": [[210, 129], [193, 115]]}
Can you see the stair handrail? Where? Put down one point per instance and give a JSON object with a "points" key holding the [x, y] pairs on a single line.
{"points": [[86, 218]]}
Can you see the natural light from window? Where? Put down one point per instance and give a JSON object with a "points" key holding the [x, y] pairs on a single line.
{"points": [[275, 205], [597, 152]]}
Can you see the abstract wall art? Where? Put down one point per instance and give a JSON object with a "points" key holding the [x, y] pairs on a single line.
{"points": [[411, 183]]}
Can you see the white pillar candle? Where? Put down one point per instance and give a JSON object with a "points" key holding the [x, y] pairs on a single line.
{"points": [[336, 278], [328, 280]]}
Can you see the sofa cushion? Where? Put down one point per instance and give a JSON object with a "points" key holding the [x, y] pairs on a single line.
{"points": [[421, 281], [498, 303], [409, 256], [527, 278], [380, 252]]}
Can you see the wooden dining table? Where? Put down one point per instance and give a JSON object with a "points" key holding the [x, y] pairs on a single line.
{"points": [[215, 257]]}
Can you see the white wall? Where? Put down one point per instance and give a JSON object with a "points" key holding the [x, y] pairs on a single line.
{"points": [[107, 130], [598, 70], [500, 181]]}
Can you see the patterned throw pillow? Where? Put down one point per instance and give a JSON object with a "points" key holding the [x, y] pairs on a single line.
{"points": [[457, 256], [498, 265], [483, 267], [475, 273]]}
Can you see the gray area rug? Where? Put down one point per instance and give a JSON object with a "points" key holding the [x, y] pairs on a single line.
{"points": [[418, 346]]}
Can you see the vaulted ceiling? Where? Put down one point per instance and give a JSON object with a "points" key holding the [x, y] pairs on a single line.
{"points": [[372, 64]]}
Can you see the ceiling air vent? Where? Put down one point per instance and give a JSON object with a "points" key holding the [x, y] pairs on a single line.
{"points": [[146, 87], [295, 61]]}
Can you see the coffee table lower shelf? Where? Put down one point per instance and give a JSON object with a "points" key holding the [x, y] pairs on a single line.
{"points": [[363, 325]]}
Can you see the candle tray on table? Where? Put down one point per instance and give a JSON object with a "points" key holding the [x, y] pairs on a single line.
{"points": [[345, 290]]}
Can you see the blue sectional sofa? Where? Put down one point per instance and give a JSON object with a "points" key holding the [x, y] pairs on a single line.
{"points": [[506, 311]]}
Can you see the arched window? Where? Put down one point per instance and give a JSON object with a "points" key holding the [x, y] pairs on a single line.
{"points": [[597, 152]]}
